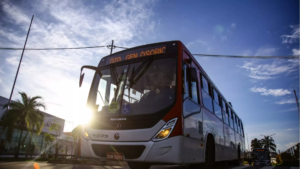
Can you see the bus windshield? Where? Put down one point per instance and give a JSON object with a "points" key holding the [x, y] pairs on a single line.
{"points": [[261, 155], [135, 89]]}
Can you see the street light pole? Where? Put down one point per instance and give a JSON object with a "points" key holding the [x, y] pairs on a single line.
{"points": [[12, 90]]}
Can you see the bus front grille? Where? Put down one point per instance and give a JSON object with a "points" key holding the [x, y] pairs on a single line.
{"points": [[129, 152]]}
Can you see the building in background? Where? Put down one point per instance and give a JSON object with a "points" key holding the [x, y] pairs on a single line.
{"points": [[35, 145]]}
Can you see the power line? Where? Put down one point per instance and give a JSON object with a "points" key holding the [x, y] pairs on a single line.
{"points": [[252, 57], [210, 55], [87, 47]]}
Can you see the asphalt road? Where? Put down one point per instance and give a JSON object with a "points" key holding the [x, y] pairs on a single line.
{"points": [[31, 165]]}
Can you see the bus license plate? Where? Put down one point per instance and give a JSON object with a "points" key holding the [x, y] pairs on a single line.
{"points": [[114, 156]]}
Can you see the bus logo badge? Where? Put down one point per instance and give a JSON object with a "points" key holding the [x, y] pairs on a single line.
{"points": [[117, 136]]}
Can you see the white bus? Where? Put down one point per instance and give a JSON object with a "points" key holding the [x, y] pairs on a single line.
{"points": [[154, 104]]}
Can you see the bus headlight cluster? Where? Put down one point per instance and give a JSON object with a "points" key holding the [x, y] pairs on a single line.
{"points": [[165, 131], [86, 135]]}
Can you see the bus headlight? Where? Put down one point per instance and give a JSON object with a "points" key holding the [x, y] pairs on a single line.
{"points": [[165, 131], [86, 136]]}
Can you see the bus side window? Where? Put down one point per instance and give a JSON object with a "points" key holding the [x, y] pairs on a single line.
{"points": [[225, 114], [238, 125], [206, 97], [242, 129], [185, 85], [230, 118], [235, 123], [193, 88], [217, 108]]}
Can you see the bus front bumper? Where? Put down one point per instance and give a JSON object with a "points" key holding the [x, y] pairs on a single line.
{"points": [[165, 151]]}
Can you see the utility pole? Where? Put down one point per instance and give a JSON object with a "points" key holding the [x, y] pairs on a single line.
{"points": [[12, 90], [111, 47], [297, 104], [248, 142]]}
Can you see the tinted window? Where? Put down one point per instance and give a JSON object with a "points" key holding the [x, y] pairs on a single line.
{"points": [[205, 84], [225, 114], [207, 101], [194, 92], [218, 110], [186, 85], [230, 118], [216, 96], [223, 105]]}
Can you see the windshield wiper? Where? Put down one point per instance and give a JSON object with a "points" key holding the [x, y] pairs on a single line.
{"points": [[140, 70]]}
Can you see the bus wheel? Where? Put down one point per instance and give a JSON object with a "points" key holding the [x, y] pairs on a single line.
{"points": [[137, 165], [210, 153]]}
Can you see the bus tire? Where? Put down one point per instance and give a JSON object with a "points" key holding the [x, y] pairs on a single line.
{"points": [[138, 165], [210, 153]]}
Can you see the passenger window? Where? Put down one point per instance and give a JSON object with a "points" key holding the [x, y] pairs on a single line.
{"points": [[193, 85], [224, 112], [206, 97], [235, 123], [205, 84], [216, 96], [238, 125], [242, 129], [230, 118], [217, 107], [186, 85]]}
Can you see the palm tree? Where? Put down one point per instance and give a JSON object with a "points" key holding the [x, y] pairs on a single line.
{"points": [[256, 144], [25, 115], [268, 142]]}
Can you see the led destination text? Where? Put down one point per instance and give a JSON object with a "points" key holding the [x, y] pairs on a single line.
{"points": [[137, 54]]}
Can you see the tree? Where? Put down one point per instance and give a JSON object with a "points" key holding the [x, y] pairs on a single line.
{"points": [[48, 138], [256, 144], [24, 114], [57, 128], [268, 142]]}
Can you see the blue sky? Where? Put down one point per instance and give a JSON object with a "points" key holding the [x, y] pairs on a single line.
{"points": [[261, 91]]}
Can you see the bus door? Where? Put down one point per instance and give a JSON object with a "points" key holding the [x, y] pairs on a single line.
{"points": [[193, 124]]}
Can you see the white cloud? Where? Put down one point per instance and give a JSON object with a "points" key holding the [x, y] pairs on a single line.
{"points": [[223, 38], [289, 129], [54, 74], [290, 144], [269, 71], [294, 37], [296, 52], [286, 101], [273, 92], [198, 41], [266, 51], [233, 25]]}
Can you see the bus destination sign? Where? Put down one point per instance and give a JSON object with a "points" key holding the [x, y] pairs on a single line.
{"points": [[133, 54]]}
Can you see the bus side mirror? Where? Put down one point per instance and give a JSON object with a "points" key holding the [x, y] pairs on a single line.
{"points": [[192, 73], [82, 74], [81, 79]]}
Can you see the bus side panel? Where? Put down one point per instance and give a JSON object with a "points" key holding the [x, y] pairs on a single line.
{"points": [[229, 149], [212, 124], [193, 150], [193, 143]]}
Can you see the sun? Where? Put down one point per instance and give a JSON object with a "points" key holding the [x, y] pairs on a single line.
{"points": [[83, 115]]}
